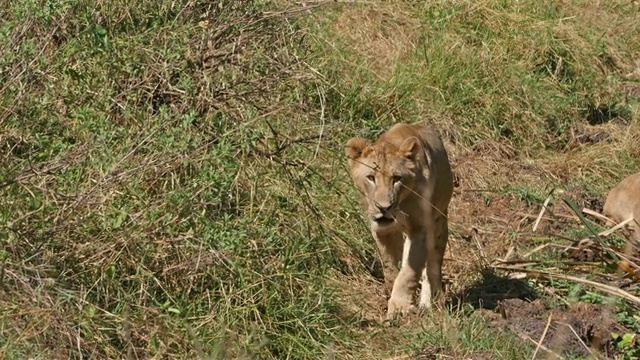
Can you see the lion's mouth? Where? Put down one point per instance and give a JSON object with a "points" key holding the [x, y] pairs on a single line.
{"points": [[383, 220]]}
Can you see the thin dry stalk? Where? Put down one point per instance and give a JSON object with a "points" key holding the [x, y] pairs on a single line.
{"points": [[535, 250], [577, 337], [510, 252], [606, 288], [596, 215], [544, 334], [615, 228], [483, 257], [544, 208], [551, 353]]}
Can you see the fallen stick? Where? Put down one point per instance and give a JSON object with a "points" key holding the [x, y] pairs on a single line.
{"points": [[544, 208], [619, 226], [606, 288], [544, 334]]}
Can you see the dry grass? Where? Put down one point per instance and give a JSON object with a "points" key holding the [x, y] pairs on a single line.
{"points": [[386, 34], [174, 184]]}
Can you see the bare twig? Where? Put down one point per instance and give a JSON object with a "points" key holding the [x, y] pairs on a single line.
{"points": [[539, 345], [537, 248], [544, 334], [577, 337], [322, 119], [544, 208], [596, 215], [606, 288], [615, 228]]}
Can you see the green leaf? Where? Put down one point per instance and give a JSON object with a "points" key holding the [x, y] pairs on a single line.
{"points": [[173, 310]]}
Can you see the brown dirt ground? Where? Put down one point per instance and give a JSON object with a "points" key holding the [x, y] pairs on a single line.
{"points": [[499, 226], [581, 329]]}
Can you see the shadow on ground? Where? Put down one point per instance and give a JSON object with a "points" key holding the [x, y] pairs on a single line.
{"points": [[577, 329], [490, 290]]}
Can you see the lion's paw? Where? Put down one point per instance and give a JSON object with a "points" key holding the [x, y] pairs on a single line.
{"points": [[400, 307]]}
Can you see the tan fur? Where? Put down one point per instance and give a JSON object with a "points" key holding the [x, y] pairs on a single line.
{"points": [[623, 202], [406, 185]]}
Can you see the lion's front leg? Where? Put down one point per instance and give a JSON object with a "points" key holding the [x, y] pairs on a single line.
{"points": [[390, 248], [409, 276]]}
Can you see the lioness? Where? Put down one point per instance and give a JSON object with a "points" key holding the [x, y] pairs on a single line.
{"points": [[406, 184], [623, 202]]}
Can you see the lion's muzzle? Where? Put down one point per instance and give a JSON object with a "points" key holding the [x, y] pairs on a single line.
{"points": [[382, 216]]}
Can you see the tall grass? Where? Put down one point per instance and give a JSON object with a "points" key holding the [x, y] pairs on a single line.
{"points": [[173, 184]]}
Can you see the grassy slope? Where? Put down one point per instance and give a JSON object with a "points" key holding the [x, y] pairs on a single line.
{"points": [[173, 182]]}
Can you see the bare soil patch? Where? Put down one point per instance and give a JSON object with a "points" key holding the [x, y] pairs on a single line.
{"points": [[580, 329], [489, 225]]}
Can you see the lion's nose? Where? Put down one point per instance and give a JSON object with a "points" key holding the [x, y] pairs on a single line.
{"points": [[383, 207]]}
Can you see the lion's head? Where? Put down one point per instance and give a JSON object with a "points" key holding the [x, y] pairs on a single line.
{"points": [[384, 172]]}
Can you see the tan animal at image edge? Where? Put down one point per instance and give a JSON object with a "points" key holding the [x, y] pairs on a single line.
{"points": [[623, 202], [406, 184]]}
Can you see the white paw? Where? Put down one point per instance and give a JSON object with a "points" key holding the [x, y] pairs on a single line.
{"points": [[425, 293], [399, 306]]}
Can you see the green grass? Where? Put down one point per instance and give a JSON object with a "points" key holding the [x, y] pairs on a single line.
{"points": [[173, 182], [464, 336]]}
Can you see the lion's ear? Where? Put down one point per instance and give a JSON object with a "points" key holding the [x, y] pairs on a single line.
{"points": [[354, 147], [409, 148]]}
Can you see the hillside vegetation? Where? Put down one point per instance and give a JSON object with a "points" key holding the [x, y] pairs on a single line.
{"points": [[173, 181]]}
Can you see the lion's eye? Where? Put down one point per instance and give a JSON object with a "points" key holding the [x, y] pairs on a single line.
{"points": [[371, 178], [397, 179]]}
